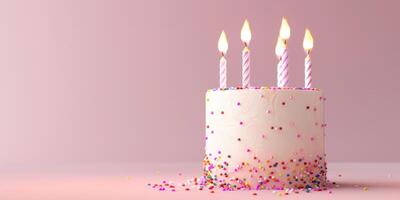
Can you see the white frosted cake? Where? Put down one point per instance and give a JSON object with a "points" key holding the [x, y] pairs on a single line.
{"points": [[265, 138]]}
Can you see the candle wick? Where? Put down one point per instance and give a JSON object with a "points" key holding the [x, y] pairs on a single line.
{"points": [[245, 44]]}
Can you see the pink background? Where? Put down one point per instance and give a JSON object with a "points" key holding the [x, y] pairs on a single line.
{"points": [[124, 81]]}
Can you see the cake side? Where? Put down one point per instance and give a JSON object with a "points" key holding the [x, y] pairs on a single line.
{"points": [[265, 138]]}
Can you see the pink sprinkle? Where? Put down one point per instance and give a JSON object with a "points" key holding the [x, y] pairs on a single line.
{"points": [[269, 111]]}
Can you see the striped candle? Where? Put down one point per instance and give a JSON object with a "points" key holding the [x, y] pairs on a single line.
{"points": [[308, 44], [246, 68], [245, 36], [283, 70], [223, 48], [282, 53], [222, 72], [307, 72]]}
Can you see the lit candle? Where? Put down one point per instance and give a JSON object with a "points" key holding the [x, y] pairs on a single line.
{"points": [[308, 44], [245, 35], [281, 51], [223, 48]]}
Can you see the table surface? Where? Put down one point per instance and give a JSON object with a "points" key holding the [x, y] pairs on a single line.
{"points": [[129, 181]]}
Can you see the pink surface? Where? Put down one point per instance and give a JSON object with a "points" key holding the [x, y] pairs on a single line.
{"points": [[124, 81], [354, 180]]}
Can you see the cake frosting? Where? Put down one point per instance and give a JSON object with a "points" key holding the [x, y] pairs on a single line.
{"points": [[265, 138]]}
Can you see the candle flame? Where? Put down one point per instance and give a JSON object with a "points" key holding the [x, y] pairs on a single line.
{"points": [[308, 42], [284, 32], [245, 34], [223, 43], [280, 47]]}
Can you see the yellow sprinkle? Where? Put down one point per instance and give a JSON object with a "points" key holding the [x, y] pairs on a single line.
{"points": [[365, 188]]}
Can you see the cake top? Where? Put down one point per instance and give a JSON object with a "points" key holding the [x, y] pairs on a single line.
{"points": [[263, 88]]}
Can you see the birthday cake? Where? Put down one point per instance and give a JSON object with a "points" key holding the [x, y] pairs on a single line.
{"points": [[265, 138]]}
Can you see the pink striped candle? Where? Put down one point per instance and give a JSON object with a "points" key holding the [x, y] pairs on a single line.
{"points": [[308, 44], [246, 67], [307, 72], [222, 72], [223, 48], [245, 36], [283, 72], [282, 53], [282, 68]]}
